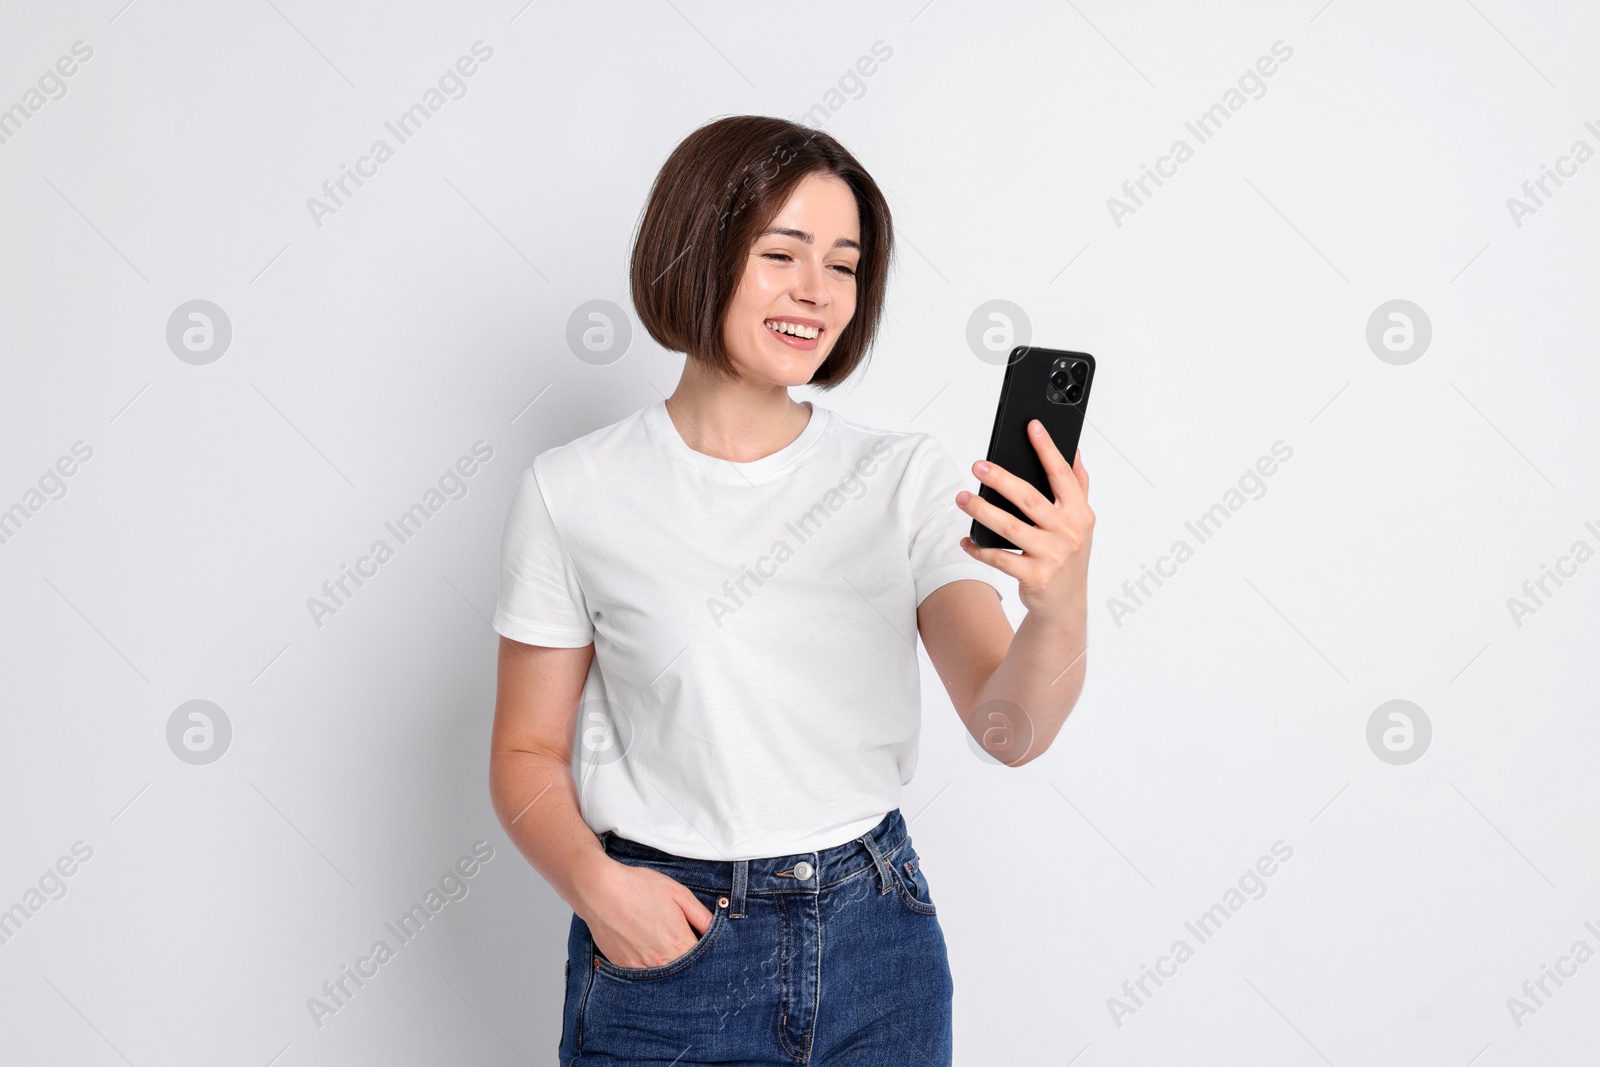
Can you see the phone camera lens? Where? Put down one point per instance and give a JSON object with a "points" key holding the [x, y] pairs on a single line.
{"points": [[1080, 371], [1059, 379], [1075, 393]]}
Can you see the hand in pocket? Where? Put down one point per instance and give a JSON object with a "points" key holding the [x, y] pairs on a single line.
{"points": [[640, 918]]}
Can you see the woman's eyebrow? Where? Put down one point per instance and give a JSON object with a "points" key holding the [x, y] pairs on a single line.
{"points": [[801, 235]]}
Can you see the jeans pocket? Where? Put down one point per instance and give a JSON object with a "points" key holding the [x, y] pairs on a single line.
{"points": [[719, 916], [910, 882]]}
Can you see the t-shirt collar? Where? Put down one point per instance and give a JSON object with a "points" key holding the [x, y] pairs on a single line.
{"points": [[729, 472]]}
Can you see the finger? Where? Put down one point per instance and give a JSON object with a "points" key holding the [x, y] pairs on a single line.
{"points": [[999, 558], [698, 914], [1003, 522], [1063, 481], [1081, 472], [1020, 492]]}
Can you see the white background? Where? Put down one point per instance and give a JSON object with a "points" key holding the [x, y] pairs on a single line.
{"points": [[1228, 313]]}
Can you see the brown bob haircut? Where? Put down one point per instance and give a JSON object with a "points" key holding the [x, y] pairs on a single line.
{"points": [[718, 190]]}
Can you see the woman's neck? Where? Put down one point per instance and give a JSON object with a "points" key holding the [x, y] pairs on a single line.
{"points": [[736, 420]]}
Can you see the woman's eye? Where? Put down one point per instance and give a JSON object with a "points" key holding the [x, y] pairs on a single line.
{"points": [[785, 257]]}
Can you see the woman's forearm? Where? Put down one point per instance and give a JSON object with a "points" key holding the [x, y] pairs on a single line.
{"points": [[537, 802], [1028, 697]]}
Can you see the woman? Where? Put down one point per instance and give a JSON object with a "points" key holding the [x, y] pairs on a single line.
{"points": [[747, 572]]}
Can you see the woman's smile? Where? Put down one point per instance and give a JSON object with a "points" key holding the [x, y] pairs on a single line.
{"points": [[795, 331]]}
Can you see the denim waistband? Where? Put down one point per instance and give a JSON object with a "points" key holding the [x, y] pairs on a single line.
{"points": [[773, 874]]}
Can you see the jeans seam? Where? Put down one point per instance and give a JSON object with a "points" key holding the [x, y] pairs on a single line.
{"points": [[784, 973], [583, 1001], [852, 876]]}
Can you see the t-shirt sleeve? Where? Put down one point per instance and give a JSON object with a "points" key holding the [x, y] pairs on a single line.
{"points": [[541, 600], [937, 558]]}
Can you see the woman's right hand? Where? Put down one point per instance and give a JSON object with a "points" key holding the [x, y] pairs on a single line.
{"points": [[640, 917]]}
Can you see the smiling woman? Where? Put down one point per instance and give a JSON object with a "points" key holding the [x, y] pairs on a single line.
{"points": [[735, 190], [738, 823]]}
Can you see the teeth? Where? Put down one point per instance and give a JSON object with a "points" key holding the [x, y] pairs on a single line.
{"points": [[791, 328]]}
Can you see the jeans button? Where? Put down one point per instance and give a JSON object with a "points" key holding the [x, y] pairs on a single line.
{"points": [[803, 870]]}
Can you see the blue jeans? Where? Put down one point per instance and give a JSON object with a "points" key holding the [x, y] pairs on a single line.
{"points": [[831, 958]]}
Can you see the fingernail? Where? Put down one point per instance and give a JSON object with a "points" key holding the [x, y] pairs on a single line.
{"points": [[982, 467]]}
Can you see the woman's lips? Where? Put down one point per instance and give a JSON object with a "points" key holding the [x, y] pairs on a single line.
{"points": [[804, 344]]}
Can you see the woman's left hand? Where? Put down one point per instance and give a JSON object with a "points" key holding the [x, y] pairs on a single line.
{"points": [[1053, 569]]}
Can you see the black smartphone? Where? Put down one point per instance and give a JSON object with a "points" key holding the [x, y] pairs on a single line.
{"points": [[1040, 383]]}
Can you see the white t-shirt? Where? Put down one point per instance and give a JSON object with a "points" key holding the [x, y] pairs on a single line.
{"points": [[755, 686]]}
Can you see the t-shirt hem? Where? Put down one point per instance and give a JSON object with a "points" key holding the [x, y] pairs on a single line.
{"points": [[954, 572], [531, 634]]}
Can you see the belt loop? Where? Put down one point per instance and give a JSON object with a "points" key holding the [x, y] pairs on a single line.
{"points": [[741, 878], [878, 861]]}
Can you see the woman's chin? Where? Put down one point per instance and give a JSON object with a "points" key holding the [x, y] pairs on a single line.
{"points": [[792, 372]]}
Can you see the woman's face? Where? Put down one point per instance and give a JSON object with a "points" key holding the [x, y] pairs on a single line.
{"points": [[801, 273]]}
